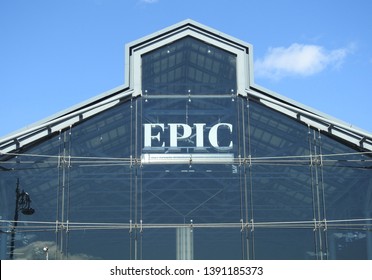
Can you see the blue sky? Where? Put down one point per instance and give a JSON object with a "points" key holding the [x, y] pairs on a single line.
{"points": [[55, 54]]}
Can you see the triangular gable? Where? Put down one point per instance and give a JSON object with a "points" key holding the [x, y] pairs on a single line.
{"points": [[132, 88]]}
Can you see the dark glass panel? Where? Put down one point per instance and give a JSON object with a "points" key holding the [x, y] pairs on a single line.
{"points": [[217, 244], [31, 224], [273, 134], [99, 194], [95, 244], [158, 244], [349, 243], [99, 185], [284, 244], [282, 193], [347, 181], [180, 193], [106, 136], [38, 175], [347, 187], [281, 176], [189, 66]]}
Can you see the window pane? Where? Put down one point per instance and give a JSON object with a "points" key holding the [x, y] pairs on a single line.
{"points": [[284, 244], [189, 66]]}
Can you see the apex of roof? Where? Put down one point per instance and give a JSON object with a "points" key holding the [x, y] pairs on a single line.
{"points": [[183, 26], [132, 88]]}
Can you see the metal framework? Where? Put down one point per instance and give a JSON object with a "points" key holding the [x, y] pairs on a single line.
{"points": [[246, 88]]}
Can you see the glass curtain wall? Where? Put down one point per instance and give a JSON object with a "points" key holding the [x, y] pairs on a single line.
{"points": [[189, 170]]}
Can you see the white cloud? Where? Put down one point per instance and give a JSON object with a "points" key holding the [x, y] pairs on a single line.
{"points": [[298, 60]]}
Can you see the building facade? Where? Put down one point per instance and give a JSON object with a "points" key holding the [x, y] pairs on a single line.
{"points": [[188, 160]]}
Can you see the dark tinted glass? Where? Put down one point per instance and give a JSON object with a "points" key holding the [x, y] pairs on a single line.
{"points": [[189, 66]]}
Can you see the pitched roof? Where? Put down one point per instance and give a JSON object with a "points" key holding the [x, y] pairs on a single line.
{"points": [[132, 88]]}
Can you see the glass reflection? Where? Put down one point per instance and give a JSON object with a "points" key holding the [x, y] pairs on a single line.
{"points": [[189, 66]]}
